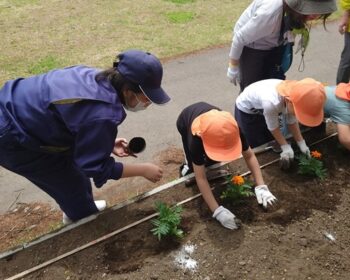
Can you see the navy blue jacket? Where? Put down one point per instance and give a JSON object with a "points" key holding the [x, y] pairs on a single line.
{"points": [[66, 110]]}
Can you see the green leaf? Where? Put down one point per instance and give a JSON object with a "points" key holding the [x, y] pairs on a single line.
{"points": [[168, 220], [311, 167], [236, 193]]}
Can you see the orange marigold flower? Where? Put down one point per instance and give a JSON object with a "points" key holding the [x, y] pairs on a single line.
{"points": [[238, 180], [316, 154]]}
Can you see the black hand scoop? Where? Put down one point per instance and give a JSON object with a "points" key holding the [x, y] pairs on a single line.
{"points": [[136, 145]]}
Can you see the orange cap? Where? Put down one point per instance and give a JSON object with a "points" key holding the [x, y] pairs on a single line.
{"points": [[343, 91], [220, 135], [307, 96]]}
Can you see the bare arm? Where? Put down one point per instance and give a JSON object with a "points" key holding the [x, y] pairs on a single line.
{"points": [[149, 171], [295, 130], [277, 134], [344, 135], [253, 165], [262, 192], [204, 187]]}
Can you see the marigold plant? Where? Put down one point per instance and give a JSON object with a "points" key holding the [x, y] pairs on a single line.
{"points": [[237, 188], [166, 224], [312, 166], [237, 180], [316, 154]]}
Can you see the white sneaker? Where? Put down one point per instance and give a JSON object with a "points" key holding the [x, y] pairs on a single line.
{"points": [[100, 204]]}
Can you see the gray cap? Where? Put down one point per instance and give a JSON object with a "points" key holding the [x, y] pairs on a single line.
{"points": [[312, 7]]}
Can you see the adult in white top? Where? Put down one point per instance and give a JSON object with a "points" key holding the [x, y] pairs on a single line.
{"points": [[258, 37], [259, 105]]}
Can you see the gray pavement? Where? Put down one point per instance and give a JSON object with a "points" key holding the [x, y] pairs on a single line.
{"points": [[189, 79]]}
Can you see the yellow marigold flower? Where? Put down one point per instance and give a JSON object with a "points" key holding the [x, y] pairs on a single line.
{"points": [[238, 180], [316, 154]]}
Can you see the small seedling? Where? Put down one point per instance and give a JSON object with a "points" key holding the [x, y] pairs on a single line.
{"points": [[166, 224], [237, 189], [312, 166]]}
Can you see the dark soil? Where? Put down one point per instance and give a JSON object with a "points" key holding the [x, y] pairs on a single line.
{"points": [[285, 242], [26, 222]]}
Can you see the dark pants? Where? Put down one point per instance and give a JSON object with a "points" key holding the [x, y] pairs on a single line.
{"points": [[253, 127], [343, 74], [55, 174], [257, 65]]}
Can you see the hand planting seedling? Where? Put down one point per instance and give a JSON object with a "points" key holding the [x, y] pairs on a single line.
{"points": [[237, 189], [168, 221], [312, 166]]}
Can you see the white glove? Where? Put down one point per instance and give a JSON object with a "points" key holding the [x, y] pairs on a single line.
{"points": [[303, 148], [264, 196], [233, 74], [287, 156], [226, 218]]}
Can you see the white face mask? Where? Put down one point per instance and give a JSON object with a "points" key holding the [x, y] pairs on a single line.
{"points": [[138, 107]]}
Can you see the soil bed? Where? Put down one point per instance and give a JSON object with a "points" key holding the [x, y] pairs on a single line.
{"points": [[285, 242]]}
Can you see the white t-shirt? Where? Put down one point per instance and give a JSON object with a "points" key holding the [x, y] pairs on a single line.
{"points": [[262, 98], [258, 27]]}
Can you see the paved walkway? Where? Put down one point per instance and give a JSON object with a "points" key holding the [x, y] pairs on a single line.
{"points": [[192, 78]]}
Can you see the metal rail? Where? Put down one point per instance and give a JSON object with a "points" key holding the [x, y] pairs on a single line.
{"points": [[116, 232]]}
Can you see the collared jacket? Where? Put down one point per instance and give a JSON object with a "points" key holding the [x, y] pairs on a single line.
{"points": [[258, 27], [67, 111]]}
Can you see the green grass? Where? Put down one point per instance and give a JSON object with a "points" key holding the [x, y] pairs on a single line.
{"points": [[17, 3], [180, 1], [92, 32], [45, 64], [38, 35], [180, 17]]}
